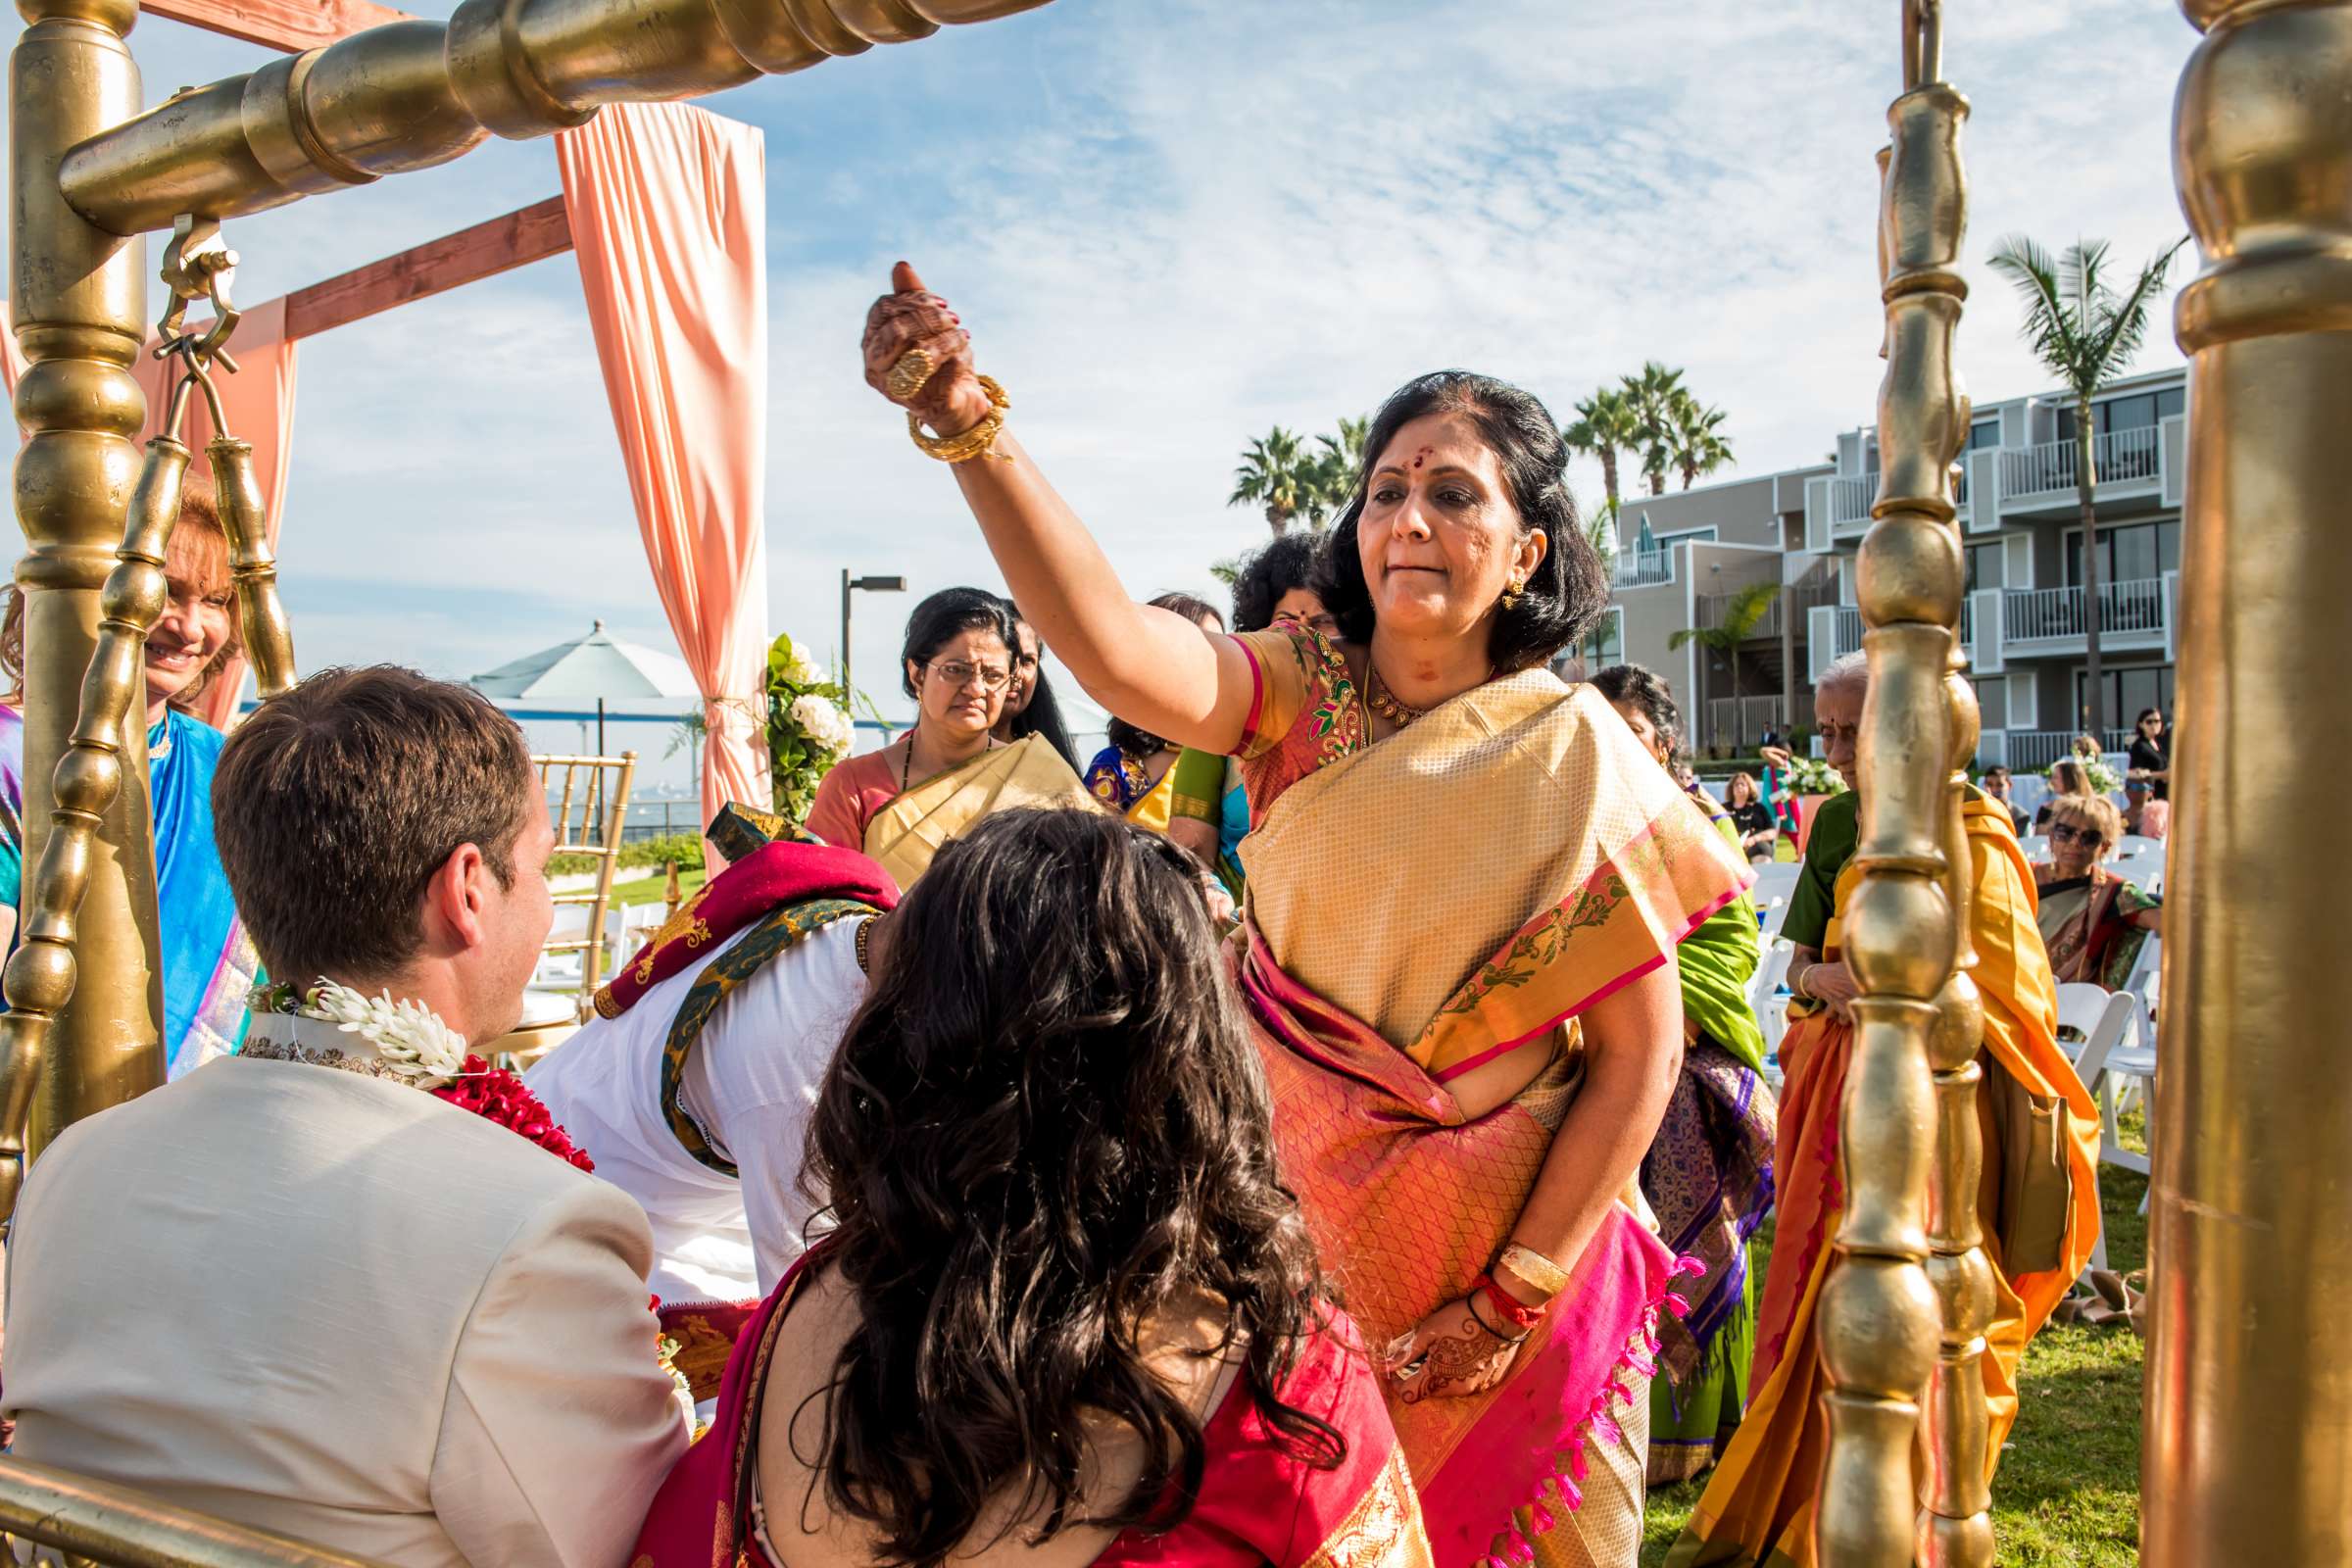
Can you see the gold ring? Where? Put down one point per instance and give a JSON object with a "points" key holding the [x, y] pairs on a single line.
{"points": [[909, 375]]}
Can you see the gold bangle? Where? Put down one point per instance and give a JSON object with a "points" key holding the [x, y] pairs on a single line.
{"points": [[1535, 1268], [977, 442]]}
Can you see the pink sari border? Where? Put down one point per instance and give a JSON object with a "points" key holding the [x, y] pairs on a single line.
{"points": [[1601, 994]]}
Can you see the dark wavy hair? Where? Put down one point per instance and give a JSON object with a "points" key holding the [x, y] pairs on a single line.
{"points": [[1646, 692], [1044, 1125], [940, 616], [1043, 716], [1568, 590], [1290, 561], [1138, 743]]}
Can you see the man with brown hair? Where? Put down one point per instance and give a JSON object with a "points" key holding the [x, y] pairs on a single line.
{"points": [[292, 1287]]}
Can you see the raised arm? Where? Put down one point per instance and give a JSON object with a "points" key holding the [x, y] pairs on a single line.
{"points": [[1150, 666]]}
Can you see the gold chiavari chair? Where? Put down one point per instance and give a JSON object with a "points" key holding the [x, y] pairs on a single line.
{"points": [[588, 802]]}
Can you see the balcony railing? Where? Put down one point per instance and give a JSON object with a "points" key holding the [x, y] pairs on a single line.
{"points": [[1712, 607], [2120, 456], [1850, 631], [1644, 569], [1739, 722], [2028, 613], [2033, 751], [1851, 498]]}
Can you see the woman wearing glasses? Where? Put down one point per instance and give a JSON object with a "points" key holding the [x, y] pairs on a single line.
{"points": [[2092, 921], [902, 803]]}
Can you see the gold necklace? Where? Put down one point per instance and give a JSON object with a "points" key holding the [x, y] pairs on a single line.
{"points": [[1385, 702]]}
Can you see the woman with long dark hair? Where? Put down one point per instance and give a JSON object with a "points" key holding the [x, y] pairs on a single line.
{"points": [[1067, 1313], [1466, 885], [1029, 706], [1708, 1173], [900, 803]]}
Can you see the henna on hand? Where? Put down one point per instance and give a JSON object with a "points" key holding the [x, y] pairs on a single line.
{"points": [[950, 401], [1461, 1359]]}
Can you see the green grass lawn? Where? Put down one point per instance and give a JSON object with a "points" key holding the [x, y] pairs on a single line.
{"points": [[2068, 1492], [653, 889]]}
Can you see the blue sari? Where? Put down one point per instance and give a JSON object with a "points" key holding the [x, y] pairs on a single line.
{"points": [[208, 961]]}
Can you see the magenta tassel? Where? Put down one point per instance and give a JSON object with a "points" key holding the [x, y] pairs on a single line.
{"points": [[1579, 1466], [1544, 1521], [1609, 1429], [1678, 1306], [1687, 1264], [1574, 1493]]}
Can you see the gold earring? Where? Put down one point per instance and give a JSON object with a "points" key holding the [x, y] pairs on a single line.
{"points": [[1512, 593]]}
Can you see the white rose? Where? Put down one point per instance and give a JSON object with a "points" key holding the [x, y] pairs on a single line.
{"points": [[823, 722], [805, 671]]}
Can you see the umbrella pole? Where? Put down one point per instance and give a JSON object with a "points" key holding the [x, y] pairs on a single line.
{"points": [[599, 726]]}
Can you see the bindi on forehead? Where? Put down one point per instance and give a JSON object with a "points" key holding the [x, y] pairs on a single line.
{"points": [[1422, 457]]}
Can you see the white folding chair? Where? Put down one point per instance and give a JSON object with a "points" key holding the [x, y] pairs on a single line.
{"points": [[2106, 1024], [2036, 845], [2134, 854], [1765, 983]]}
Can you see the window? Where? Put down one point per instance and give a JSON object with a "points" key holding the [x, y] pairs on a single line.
{"points": [[1705, 535], [1993, 702], [2128, 691], [1604, 643], [2135, 411], [1983, 434], [1984, 565], [2139, 552]]}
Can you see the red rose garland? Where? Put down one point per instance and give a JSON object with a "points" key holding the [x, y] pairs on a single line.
{"points": [[500, 1097]]}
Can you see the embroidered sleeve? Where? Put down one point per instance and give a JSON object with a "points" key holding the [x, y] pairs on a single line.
{"points": [[1305, 712]]}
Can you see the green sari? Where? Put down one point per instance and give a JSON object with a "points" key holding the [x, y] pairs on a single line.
{"points": [[1708, 1176]]}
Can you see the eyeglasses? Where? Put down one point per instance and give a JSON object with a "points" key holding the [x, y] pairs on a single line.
{"points": [[2089, 837], [955, 672]]}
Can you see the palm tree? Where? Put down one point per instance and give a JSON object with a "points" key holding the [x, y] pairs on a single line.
{"points": [[1741, 617], [1654, 391], [1696, 444], [2084, 336], [1277, 473], [1605, 426], [1337, 467]]}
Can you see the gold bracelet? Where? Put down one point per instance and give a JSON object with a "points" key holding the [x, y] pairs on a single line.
{"points": [[977, 442], [1535, 1268]]}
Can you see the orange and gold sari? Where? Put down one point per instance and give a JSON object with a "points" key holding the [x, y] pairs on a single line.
{"points": [[1418, 906], [1758, 1510]]}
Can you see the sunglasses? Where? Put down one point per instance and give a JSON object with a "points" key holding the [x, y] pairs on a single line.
{"points": [[2089, 837]]}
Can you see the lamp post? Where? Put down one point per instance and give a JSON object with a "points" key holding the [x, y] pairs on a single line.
{"points": [[849, 585]]}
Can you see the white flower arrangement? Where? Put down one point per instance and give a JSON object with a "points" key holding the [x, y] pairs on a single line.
{"points": [[804, 670], [1813, 776], [416, 1045], [822, 719], [2096, 769]]}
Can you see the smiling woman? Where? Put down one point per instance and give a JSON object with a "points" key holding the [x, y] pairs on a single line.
{"points": [[208, 962], [1466, 883]]}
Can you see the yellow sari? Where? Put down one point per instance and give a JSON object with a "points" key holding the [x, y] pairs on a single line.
{"points": [[1419, 906], [905, 834], [1758, 1510]]}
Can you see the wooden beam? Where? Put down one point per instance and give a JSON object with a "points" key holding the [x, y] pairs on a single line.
{"points": [[436, 267], [289, 24]]}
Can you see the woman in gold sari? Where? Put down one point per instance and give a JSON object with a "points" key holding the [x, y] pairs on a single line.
{"points": [[2039, 1201], [900, 803], [1466, 886]]}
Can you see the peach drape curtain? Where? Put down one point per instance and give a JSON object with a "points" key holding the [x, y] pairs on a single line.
{"points": [[258, 401], [669, 218]]}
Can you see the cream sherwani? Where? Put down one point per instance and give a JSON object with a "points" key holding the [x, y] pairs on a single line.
{"points": [[335, 1306]]}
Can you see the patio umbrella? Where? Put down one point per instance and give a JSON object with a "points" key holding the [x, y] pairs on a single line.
{"points": [[596, 666]]}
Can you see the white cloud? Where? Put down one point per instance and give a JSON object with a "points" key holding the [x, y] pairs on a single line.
{"points": [[1170, 225]]}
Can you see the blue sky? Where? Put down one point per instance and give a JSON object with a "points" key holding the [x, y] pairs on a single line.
{"points": [[1170, 223]]}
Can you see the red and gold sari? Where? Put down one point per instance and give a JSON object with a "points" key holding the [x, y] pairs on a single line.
{"points": [[1758, 1510], [1259, 1502], [1418, 906]]}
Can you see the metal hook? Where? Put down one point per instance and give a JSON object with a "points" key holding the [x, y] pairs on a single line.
{"points": [[198, 265]]}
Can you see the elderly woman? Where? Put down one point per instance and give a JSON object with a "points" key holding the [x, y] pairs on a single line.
{"points": [[1466, 886], [2092, 921], [1709, 1172], [900, 803], [1067, 1313]]}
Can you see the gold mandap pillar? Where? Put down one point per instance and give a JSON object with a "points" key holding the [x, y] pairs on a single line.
{"points": [[79, 299], [2249, 1399]]}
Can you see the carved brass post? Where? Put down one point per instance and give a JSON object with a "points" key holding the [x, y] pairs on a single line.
{"points": [[1878, 1314], [79, 297], [2249, 1399]]}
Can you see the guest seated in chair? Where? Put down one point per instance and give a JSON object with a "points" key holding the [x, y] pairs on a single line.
{"points": [[692, 1085], [1069, 1315], [2093, 921], [348, 1284]]}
